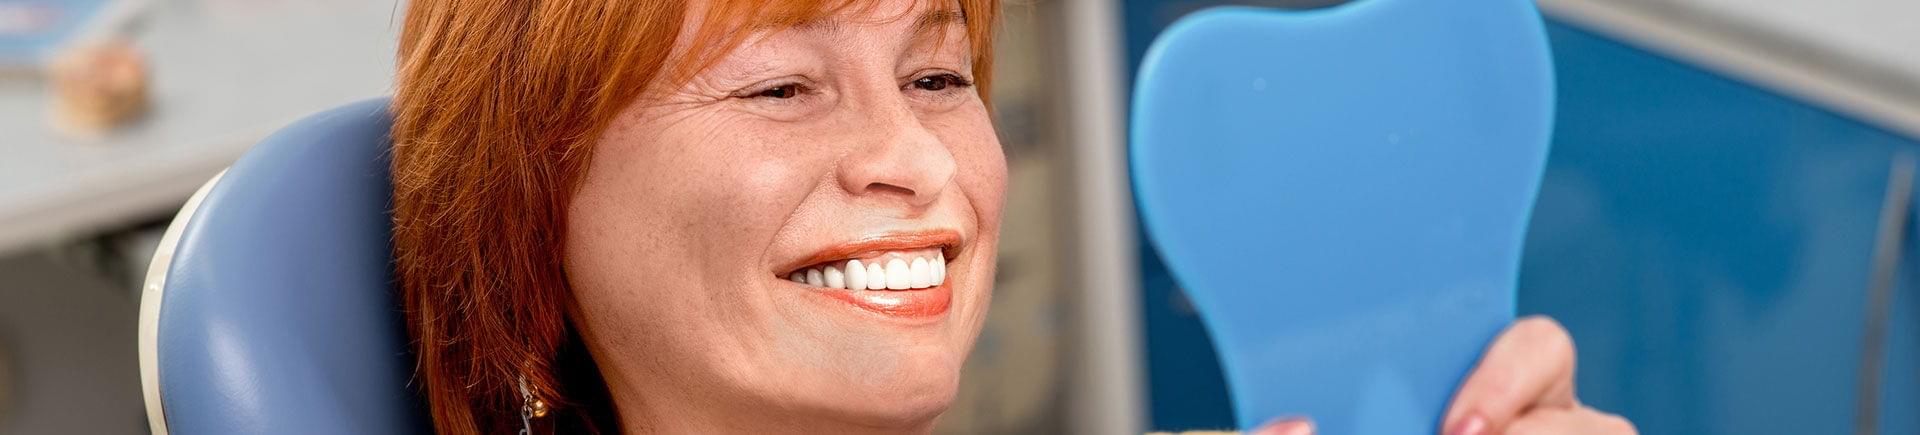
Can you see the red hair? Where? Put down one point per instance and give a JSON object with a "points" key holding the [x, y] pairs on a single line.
{"points": [[496, 105]]}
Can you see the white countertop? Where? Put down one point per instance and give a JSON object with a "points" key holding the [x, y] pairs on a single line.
{"points": [[225, 73]]}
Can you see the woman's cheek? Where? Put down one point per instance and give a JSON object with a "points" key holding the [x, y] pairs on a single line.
{"points": [[744, 199], [759, 189], [983, 174]]}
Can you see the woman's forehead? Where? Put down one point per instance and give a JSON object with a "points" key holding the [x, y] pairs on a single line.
{"points": [[752, 16], [926, 16], [712, 28]]}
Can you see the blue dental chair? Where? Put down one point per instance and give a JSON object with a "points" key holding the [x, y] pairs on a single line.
{"points": [[269, 307]]}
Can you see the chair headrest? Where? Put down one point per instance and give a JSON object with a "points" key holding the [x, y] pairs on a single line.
{"points": [[276, 312]]}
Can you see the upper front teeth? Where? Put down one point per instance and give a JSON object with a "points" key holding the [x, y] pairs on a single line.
{"points": [[876, 276], [835, 279], [898, 273]]}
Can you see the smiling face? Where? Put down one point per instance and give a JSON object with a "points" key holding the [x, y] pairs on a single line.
{"points": [[857, 137]]}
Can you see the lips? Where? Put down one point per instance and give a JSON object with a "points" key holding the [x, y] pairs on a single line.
{"points": [[896, 275]]}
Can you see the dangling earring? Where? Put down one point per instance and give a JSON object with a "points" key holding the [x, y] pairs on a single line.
{"points": [[530, 408]]}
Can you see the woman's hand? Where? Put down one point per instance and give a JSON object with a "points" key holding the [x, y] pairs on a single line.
{"points": [[1523, 385]]}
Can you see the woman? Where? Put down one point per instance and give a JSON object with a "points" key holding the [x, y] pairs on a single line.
{"points": [[732, 216]]}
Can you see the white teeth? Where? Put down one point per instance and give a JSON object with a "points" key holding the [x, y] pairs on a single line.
{"points": [[898, 276], [921, 273], [902, 272], [876, 277], [835, 279], [940, 269], [814, 278], [856, 275]]}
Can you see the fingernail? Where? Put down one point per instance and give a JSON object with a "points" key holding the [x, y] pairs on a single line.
{"points": [[1472, 425], [1286, 426]]}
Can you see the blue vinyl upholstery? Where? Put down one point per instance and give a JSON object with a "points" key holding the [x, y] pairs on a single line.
{"points": [[277, 314], [1343, 195]]}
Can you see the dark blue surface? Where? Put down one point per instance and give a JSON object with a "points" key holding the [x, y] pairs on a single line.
{"points": [[278, 315], [1343, 193], [1707, 241]]}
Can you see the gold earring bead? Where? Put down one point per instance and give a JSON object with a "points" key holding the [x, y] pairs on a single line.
{"points": [[539, 408]]}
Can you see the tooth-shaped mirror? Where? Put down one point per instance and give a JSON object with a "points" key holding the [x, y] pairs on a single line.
{"points": [[1343, 193]]}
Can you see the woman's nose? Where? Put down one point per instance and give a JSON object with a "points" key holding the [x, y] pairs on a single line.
{"points": [[900, 160]]}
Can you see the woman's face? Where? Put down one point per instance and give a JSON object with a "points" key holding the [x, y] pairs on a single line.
{"points": [[854, 138]]}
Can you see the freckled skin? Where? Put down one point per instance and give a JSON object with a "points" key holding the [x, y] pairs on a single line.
{"points": [[799, 140]]}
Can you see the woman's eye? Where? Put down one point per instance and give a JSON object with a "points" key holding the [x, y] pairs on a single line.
{"points": [[780, 92], [940, 82]]}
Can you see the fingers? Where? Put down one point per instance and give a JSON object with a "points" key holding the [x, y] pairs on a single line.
{"points": [[1578, 421], [1296, 426], [1530, 366]]}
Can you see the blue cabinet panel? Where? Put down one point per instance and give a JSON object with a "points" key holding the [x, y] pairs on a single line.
{"points": [[1708, 242]]}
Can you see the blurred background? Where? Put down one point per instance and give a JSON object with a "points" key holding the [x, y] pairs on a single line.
{"points": [[1707, 228]]}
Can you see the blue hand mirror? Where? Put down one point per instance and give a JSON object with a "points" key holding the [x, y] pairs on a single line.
{"points": [[1343, 194]]}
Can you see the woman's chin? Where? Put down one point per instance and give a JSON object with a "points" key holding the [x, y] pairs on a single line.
{"points": [[857, 359], [904, 405], [900, 391]]}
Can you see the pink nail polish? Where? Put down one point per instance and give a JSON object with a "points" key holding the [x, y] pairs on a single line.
{"points": [[1292, 426], [1303, 427], [1472, 425]]}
